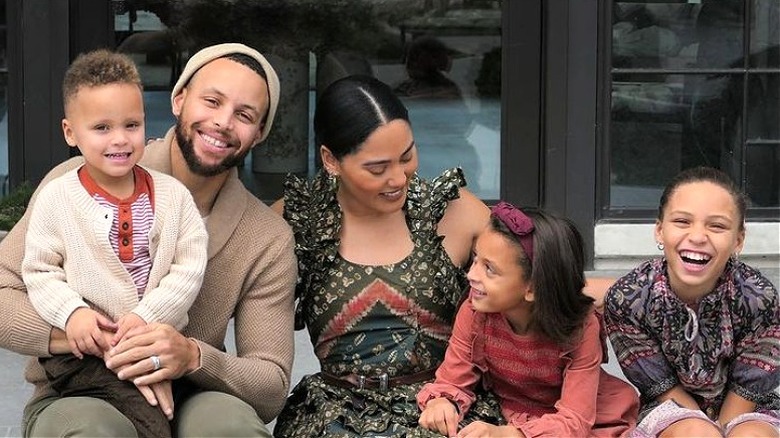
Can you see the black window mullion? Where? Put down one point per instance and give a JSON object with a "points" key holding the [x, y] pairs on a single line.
{"points": [[739, 152]]}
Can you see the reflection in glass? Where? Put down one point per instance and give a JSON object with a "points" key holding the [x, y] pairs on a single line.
{"points": [[664, 122], [706, 34], [762, 175], [452, 89], [652, 35], [718, 33], [141, 34], [646, 138], [714, 122], [4, 178], [763, 117], [765, 33]]}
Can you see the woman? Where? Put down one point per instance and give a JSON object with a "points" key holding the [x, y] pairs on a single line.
{"points": [[381, 254]]}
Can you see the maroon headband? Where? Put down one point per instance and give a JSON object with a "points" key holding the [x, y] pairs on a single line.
{"points": [[519, 224]]}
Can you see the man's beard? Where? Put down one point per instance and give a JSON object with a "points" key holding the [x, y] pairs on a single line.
{"points": [[196, 166]]}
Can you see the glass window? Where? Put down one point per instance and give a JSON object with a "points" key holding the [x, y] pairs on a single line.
{"points": [[683, 94], [4, 180], [442, 58]]}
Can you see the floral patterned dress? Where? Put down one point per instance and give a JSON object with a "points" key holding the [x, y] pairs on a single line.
{"points": [[371, 320], [729, 342]]}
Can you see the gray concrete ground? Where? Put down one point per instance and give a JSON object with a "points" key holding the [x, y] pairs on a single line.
{"points": [[14, 391]]}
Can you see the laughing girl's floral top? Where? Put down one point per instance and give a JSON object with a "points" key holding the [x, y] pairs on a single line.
{"points": [[730, 341]]}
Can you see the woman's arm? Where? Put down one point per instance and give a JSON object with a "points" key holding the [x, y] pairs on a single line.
{"points": [[754, 374], [464, 219], [637, 347]]}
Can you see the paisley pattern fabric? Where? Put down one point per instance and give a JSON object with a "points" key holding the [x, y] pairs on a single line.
{"points": [[730, 341], [371, 320]]}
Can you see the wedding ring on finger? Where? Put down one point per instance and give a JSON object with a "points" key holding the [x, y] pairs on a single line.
{"points": [[156, 362]]}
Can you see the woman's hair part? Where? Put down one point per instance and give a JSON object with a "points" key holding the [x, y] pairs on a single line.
{"points": [[351, 109]]}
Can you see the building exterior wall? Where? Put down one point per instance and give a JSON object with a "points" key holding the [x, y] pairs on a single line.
{"points": [[547, 113]]}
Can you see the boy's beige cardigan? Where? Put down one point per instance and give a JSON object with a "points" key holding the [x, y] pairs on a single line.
{"points": [[69, 261]]}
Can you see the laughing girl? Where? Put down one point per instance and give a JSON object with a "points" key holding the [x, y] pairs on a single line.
{"points": [[697, 331]]}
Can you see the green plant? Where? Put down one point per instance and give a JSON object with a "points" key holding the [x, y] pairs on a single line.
{"points": [[12, 207]]}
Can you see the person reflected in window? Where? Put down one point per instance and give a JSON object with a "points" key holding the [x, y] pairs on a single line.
{"points": [[427, 62]]}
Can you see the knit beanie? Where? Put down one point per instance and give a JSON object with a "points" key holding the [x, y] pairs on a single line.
{"points": [[210, 53]]}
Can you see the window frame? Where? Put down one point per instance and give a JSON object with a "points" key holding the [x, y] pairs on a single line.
{"points": [[606, 212]]}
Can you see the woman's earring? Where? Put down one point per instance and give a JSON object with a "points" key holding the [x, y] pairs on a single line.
{"points": [[333, 180], [660, 246]]}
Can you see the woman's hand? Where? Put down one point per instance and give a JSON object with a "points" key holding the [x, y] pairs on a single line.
{"points": [[440, 415], [177, 355]]}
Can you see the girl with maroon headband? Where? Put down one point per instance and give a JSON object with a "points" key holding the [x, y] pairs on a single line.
{"points": [[531, 336]]}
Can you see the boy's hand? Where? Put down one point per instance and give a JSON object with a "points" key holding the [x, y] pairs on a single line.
{"points": [[85, 334], [440, 415], [126, 323]]}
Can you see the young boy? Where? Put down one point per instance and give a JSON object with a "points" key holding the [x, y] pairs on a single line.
{"points": [[111, 244]]}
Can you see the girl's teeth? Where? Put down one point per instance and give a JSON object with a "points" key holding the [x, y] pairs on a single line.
{"points": [[694, 255]]}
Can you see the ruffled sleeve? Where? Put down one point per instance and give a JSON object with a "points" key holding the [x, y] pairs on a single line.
{"points": [[425, 206], [427, 200], [756, 371], [312, 210], [457, 375]]}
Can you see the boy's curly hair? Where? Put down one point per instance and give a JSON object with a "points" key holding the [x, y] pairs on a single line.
{"points": [[99, 67]]}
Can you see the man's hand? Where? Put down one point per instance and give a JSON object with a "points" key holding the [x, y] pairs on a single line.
{"points": [[440, 415], [58, 342], [84, 330], [479, 429], [130, 358], [161, 395]]}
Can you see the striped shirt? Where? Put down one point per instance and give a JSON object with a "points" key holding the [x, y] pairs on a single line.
{"points": [[133, 218]]}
